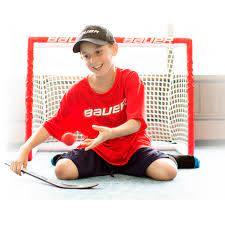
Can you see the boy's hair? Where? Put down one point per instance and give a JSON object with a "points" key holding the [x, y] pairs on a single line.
{"points": [[95, 34]]}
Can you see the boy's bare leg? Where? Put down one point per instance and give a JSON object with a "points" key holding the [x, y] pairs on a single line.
{"points": [[162, 169], [66, 170]]}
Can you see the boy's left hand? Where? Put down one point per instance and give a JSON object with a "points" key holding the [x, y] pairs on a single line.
{"points": [[105, 133]]}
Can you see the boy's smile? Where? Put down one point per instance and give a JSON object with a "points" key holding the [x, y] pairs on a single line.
{"points": [[98, 67]]}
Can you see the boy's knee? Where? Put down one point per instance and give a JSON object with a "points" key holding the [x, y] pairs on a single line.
{"points": [[170, 173], [66, 170], [162, 169]]}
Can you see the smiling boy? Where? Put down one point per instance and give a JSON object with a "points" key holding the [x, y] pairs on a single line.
{"points": [[107, 107]]}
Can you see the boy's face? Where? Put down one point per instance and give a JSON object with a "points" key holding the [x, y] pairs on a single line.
{"points": [[98, 58]]}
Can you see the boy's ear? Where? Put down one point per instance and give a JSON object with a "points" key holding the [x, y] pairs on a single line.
{"points": [[115, 49]]}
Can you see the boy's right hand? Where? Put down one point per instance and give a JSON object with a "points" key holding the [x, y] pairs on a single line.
{"points": [[20, 162]]}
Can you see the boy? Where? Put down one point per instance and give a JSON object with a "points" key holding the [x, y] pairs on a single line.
{"points": [[107, 107]]}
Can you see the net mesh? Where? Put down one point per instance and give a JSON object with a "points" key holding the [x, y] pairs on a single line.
{"points": [[165, 103]]}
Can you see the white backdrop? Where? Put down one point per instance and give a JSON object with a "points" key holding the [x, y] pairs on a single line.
{"points": [[203, 22]]}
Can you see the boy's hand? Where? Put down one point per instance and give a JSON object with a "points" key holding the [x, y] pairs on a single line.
{"points": [[105, 133], [20, 162]]}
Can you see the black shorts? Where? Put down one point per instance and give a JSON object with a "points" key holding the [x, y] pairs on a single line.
{"points": [[90, 164]]}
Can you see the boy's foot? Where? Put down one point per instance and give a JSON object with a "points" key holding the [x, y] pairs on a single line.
{"points": [[186, 161], [55, 159]]}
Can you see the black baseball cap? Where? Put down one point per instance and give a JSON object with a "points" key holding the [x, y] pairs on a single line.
{"points": [[95, 34]]}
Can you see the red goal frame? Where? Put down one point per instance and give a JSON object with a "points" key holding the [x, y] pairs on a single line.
{"points": [[121, 40]]}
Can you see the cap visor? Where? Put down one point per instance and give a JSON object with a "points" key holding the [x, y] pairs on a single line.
{"points": [[76, 47]]}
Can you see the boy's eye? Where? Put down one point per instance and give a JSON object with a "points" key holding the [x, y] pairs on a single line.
{"points": [[85, 56], [98, 52]]}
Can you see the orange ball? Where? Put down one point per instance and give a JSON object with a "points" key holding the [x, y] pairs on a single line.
{"points": [[68, 138]]}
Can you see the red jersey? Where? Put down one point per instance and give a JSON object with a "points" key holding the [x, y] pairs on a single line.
{"points": [[81, 107]]}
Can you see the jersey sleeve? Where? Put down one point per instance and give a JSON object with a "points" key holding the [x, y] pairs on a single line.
{"points": [[134, 91], [63, 121]]}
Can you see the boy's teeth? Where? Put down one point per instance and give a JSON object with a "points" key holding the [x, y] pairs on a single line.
{"points": [[96, 67]]}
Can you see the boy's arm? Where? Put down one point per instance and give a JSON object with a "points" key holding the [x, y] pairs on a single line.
{"points": [[129, 127], [37, 138]]}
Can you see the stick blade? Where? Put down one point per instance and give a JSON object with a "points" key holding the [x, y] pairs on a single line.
{"points": [[78, 186]]}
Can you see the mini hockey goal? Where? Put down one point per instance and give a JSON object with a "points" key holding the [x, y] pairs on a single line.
{"points": [[164, 65]]}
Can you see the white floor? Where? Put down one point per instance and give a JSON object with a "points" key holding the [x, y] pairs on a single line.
{"points": [[207, 182]]}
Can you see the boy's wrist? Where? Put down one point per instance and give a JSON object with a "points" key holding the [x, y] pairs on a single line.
{"points": [[114, 133], [25, 149]]}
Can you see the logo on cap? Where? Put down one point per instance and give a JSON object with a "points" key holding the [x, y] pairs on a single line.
{"points": [[89, 31]]}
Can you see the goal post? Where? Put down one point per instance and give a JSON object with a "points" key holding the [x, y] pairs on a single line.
{"points": [[164, 65]]}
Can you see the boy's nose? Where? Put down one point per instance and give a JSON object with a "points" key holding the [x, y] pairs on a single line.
{"points": [[92, 60]]}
